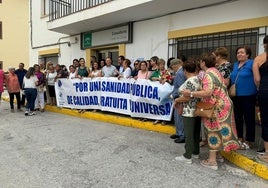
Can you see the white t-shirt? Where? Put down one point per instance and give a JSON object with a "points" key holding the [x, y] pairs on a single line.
{"points": [[50, 78], [127, 73], [72, 75], [30, 82]]}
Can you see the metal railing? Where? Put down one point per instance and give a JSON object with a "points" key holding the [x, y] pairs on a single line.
{"points": [[61, 8]]}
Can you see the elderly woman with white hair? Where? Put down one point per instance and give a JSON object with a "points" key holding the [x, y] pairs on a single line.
{"points": [[13, 88]]}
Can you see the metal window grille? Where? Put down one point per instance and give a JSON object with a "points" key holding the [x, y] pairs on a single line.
{"points": [[194, 46], [60, 8]]}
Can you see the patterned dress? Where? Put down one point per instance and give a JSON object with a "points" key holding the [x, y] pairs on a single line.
{"points": [[225, 69], [221, 129]]}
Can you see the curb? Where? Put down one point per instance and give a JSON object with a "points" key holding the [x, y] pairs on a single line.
{"points": [[249, 165], [119, 120]]}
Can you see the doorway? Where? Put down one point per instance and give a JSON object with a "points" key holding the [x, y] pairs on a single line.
{"points": [[113, 53]]}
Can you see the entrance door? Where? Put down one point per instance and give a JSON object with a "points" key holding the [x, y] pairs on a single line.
{"points": [[112, 53]]}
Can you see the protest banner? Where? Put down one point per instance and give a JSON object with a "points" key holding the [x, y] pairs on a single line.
{"points": [[137, 98]]}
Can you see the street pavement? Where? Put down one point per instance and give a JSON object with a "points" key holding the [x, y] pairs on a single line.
{"points": [[55, 150]]}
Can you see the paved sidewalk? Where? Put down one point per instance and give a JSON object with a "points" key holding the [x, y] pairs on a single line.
{"points": [[245, 159]]}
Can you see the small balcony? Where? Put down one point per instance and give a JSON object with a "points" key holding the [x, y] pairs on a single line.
{"points": [[73, 17], [61, 8]]}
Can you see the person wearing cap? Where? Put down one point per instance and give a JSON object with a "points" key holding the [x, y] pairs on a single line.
{"points": [[13, 88], [176, 66]]}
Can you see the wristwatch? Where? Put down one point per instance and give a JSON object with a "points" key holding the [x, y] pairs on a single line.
{"points": [[191, 94]]}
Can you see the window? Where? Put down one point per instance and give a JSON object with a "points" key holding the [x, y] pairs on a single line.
{"points": [[1, 30], [44, 7], [194, 46], [49, 58]]}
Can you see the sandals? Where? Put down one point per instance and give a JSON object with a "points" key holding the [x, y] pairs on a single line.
{"points": [[203, 143], [243, 145], [209, 164], [156, 122], [81, 111], [263, 158], [219, 158]]}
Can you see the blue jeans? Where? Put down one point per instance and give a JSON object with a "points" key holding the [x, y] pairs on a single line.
{"points": [[179, 124], [30, 94]]}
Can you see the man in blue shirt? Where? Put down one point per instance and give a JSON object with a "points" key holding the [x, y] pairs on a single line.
{"points": [[20, 72], [176, 65]]}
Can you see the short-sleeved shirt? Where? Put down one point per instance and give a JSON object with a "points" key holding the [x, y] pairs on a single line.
{"points": [[245, 85], [109, 71], [30, 82], [192, 84]]}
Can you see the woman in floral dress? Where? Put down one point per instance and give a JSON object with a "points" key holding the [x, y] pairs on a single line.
{"points": [[220, 128]]}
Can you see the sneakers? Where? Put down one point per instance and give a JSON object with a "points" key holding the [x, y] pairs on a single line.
{"points": [[208, 164], [261, 152], [184, 160], [32, 113], [27, 113], [195, 156]]}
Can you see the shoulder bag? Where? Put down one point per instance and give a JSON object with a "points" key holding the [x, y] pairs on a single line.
{"points": [[205, 109], [232, 89]]}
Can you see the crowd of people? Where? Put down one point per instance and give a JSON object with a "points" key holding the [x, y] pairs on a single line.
{"points": [[204, 79]]}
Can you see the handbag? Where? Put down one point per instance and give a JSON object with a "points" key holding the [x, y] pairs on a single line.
{"points": [[232, 89], [205, 109]]}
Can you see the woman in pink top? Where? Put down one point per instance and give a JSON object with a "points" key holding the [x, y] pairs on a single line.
{"points": [[143, 73], [13, 88], [2, 78]]}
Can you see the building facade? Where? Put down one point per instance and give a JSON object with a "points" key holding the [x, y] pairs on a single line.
{"points": [[14, 33], [63, 30]]}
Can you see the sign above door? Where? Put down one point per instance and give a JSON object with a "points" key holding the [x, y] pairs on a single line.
{"points": [[117, 35]]}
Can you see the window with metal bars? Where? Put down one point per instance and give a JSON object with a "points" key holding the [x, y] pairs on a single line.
{"points": [[194, 46]]}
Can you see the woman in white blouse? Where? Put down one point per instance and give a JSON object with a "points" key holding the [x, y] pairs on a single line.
{"points": [[30, 81], [51, 78], [126, 69], [95, 72]]}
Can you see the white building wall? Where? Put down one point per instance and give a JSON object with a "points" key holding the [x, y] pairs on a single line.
{"points": [[151, 36], [43, 39]]}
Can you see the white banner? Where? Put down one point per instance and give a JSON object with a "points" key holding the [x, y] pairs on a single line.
{"points": [[137, 98]]}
